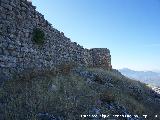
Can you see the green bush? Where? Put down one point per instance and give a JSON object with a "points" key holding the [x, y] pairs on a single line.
{"points": [[38, 36]]}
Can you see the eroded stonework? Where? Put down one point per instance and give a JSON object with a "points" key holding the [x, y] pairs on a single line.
{"points": [[18, 52]]}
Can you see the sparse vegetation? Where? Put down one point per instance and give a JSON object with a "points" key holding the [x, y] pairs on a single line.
{"points": [[38, 36], [68, 95], [107, 96]]}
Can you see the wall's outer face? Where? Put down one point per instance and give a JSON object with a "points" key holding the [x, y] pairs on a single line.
{"points": [[18, 53], [101, 57]]}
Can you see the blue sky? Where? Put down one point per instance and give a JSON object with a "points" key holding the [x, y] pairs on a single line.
{"points": [[129, 28]]}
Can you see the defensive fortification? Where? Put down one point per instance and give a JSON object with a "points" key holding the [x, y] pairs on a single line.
{"points": [[18, 51]]}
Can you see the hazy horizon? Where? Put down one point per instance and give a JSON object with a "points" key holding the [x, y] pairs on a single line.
{"points": [[130, 29], [157, 71]]}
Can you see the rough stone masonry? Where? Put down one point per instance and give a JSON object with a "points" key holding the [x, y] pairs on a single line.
{"points": [[19, 53]]}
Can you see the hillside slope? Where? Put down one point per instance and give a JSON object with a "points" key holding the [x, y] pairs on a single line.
{"points": [[147, 77], [72, 93]]}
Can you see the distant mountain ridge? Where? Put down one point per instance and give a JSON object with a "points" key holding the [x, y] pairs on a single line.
{"points": [[149, 77]]}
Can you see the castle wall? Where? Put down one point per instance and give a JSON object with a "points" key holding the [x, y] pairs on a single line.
{"points": [[18, 52], [101, 57]]}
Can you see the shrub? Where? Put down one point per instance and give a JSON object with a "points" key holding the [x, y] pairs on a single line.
{"points": [[65, 68], [107, 97], [99, 80], [38, 36]]}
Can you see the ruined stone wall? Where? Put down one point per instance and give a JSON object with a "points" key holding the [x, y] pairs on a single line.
{"points": [[18, 52], [101, 57]]}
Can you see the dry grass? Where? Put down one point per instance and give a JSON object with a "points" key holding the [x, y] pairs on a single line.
{"points": [[135, 100], [24, 99], [69, 95]]}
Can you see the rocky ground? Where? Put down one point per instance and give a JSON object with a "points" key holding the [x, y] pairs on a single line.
{"points": [[156, 89], [78, 93]]}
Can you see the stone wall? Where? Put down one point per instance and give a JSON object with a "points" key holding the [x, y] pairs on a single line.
{"points": [[18, 52], [101, 57]]}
